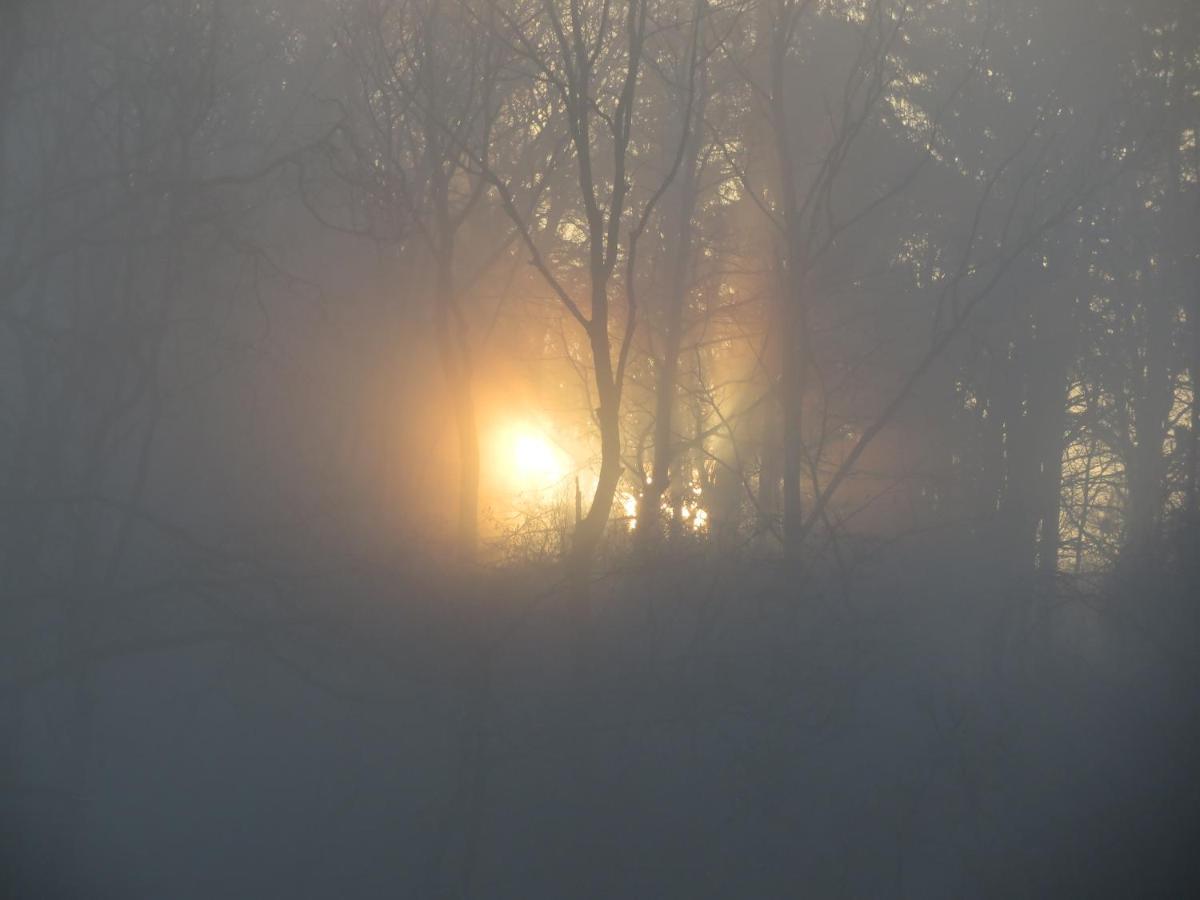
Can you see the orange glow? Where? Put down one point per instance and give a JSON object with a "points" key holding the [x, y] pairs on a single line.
{"points": [[629, 504], [531, 462]]}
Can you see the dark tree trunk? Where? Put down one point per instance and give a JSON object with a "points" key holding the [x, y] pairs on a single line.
{"points": [[1017, 515], [454, 350], [1054, 354], [793, 318], [591, 529], [1193, 451], [1151, 407], [792, 384], [679, 253]]}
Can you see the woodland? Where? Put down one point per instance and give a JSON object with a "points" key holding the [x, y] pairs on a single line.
{"points": [[599, 448]]}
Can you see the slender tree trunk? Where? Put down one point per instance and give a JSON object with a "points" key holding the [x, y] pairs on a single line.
{"points": [[1017, 517], [762, 246], [649, 512], [590, 530], [793, 381], [462, 401], [1151, 406], [793, 320], [1034, 407], [1085, 507], [1050, 538], [1055, 351], [1154, 395], [603, 235], [1193, 453], [770, 414], [454, 350], [679, 251]]}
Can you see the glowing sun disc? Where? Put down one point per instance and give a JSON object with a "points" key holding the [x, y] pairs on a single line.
{"points": [[537, 464]]}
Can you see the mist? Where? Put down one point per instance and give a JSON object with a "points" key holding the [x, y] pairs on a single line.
{"points": [[544, 449]]}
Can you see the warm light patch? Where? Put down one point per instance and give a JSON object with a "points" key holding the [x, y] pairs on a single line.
{"points": [[629, 503], [532, 461]]}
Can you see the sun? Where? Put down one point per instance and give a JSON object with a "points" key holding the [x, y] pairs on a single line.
{"points": [[535, 459], [535, 463]]}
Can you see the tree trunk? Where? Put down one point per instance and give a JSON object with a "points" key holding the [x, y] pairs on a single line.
{"points": [[454, 350], [1193, 453], [1151, 406], [1054, 350], [1017, 517], [591, 529], [793, 319], [679, 252], [1154, 392]]}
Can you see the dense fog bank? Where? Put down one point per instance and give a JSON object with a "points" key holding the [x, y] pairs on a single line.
{"points": [[726, 736], [674, 448]]}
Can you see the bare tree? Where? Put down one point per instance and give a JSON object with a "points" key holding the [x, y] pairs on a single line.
{"points": [[425, 105]]}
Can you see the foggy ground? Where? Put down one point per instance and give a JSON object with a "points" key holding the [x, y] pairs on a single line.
{"points": [[727, 736]]}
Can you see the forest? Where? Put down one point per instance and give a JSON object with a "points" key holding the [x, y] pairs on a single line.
{"points": [[556, 449]]}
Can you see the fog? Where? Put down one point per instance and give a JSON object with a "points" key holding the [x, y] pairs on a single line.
{"points": [[545, 449]]}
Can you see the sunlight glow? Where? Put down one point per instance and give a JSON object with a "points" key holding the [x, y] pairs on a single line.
{"points": [[629, 503], [693, 516], [535, 463]]}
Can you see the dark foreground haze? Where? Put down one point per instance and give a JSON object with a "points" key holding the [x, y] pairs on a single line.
{"points": [[548, 449]]}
